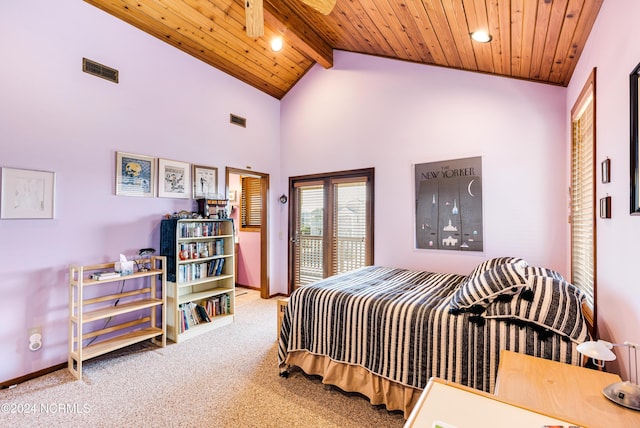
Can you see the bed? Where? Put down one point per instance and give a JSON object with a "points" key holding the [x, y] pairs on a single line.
{"points": [[383, 331]]}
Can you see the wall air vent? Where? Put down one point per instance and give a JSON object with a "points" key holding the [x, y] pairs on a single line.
{"points": [[99, 70], [237, 120]]}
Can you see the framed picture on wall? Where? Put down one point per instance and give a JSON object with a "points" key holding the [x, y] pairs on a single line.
{"points": [[606, 170], [205, 182], [448, 205], [605, 207], [27, 194], [174, 179], [135, 175]]}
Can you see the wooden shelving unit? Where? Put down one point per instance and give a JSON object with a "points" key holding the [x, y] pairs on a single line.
{"points": [[194, 247], [146, 306]]}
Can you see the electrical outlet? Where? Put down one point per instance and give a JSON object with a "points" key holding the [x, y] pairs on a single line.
{"points": [[35, 338]]}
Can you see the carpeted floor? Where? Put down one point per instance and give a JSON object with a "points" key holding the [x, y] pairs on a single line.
{"points": [[226, 378]]}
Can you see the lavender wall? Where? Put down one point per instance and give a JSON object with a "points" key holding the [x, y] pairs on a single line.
{"points": [[613, 49], [54, 117], [374, 112]]}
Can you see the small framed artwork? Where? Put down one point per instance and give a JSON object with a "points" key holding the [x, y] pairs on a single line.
{"points": [[27, 194], [174, 179], [233, 196], [205, 181], [135, 175], [605, 207], [606, 170]]}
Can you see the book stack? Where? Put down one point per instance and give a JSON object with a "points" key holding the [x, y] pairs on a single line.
{"points": [[192, 314], [218, 305], [104, 275]]}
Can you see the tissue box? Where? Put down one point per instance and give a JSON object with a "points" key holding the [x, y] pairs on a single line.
{"points": [[125, 268]]}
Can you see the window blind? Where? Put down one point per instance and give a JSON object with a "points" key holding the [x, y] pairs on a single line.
{"points": [[349, 225], [251, 203], [583, 234], [309, 254]]}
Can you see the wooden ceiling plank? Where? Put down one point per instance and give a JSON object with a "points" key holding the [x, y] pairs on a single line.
{"points": [[578, 17], [290, 58], [298, 32], [457, 19], [502, 18], [353, 16], [540, 39], [427, 32], [400, 17], [371, 41], [325, 26], [529, 16], [558, 10], [497, 49], [221, 41], [477, 19], [569, 25], [587, 19], [380, 12], [516, 35], [361, 36], [221, 26], [438, 20]]}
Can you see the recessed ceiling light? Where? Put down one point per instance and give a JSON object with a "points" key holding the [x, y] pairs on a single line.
{"points": [[481, 36], [276, 44]]}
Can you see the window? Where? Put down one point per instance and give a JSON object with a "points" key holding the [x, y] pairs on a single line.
{"points": [[250, 203], [583, 213]]}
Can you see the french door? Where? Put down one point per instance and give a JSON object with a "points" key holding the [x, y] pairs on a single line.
{"points": [[331, 230]]}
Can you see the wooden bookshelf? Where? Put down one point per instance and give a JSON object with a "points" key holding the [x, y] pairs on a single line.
{"points": [[147, 304], [200, 267]]}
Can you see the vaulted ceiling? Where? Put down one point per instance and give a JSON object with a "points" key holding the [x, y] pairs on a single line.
{"points": [[538, 40]]}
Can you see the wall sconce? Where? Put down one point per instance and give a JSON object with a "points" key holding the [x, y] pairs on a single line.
{"points": [[283, 199], [625, 393]]}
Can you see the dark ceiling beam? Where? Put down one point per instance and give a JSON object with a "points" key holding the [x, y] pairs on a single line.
{"points": [[297, 32]]}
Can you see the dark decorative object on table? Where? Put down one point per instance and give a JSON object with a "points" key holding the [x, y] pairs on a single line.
{"points": [[142, 254]]}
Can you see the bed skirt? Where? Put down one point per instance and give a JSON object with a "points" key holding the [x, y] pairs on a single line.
{"points": [[353, 378]]}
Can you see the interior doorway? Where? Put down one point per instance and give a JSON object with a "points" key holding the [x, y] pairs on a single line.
{"points": [[249, 210]]}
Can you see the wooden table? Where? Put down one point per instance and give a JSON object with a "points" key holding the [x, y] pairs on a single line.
{"points": [[447, 404], [562, 390]]}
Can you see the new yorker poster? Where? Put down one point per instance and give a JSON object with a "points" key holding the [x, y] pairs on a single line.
{"points": [[449, 205]]}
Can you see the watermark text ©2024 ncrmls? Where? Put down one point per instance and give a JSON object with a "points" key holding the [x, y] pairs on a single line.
{"points": [[44, 408]]}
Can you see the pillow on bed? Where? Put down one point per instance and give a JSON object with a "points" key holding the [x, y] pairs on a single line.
{"points": [[541, 271], [556, 305], [496, 261], [481, 288]]}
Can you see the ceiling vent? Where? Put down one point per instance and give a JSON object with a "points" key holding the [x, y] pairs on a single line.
{"points": [[99, 70], [237, 120]]}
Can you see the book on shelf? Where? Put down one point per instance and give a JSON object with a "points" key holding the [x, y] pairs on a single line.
{"points": [[192, 314], [218, 305], [101, 276], [202, 313], [219, 267]]}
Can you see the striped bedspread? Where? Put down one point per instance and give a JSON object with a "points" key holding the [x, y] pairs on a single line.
{"points": [[396, 324]]}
